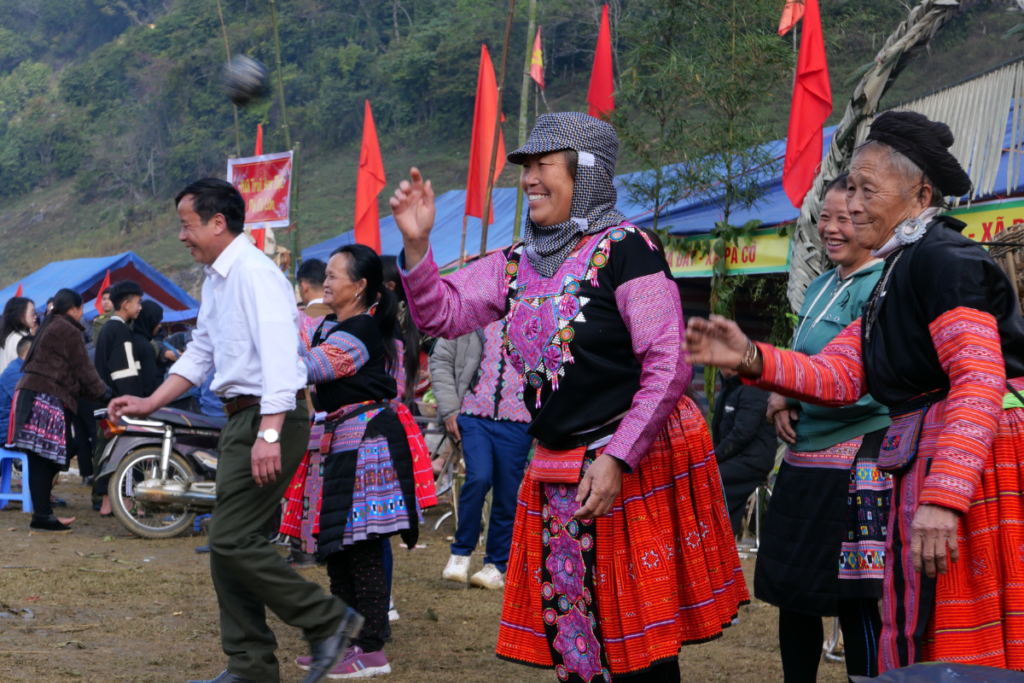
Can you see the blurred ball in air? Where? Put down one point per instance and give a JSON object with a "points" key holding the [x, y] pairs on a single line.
{"points": [[245, 80]]}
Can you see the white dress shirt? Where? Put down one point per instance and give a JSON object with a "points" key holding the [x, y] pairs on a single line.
{"points": [[247, 332]]}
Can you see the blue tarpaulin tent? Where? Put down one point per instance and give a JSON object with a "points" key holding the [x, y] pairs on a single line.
{"points": [[85, 275], [691, 216]]}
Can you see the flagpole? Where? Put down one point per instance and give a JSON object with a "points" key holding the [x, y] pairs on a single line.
{"points": [[294, 229], [497, 132], [524, 111], [462, 247], [227, 51]]}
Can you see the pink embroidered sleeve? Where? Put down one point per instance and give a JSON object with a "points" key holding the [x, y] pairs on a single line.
{"points": [[834, 377], [650, 307], [457, 304], [969, 349]]}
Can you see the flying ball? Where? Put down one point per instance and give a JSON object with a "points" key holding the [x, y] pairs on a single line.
{"points": [[245, 80]]}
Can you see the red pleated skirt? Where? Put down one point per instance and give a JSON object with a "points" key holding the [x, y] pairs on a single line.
{"points": [[974, 613], [666, 569]]}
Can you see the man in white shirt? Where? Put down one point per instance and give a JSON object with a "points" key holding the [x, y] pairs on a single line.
{"points": [[247, 335]]}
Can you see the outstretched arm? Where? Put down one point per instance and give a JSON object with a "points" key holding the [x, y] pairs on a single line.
{"points": [[834, 377]]}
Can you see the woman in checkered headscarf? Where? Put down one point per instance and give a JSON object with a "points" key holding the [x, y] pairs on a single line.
{"points": [[622, 550]]}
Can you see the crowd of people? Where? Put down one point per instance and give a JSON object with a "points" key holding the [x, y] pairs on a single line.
{"points": [[561, 366]]}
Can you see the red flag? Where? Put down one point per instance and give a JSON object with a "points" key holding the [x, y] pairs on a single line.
{"points": [[602, 87], [537, 62], [259, 139], [812, 103], [791, 14], [369, 183], [260, 235], [99, 295], [19, 293], [484, 114]]}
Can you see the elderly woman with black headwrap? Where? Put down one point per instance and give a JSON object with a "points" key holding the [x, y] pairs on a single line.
{"points": [[622, 550], [941, 343]]}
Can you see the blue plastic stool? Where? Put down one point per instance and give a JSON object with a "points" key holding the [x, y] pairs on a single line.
{"points": [[7, 459]]}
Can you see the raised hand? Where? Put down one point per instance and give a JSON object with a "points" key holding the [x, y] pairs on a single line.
{"points": [[717, 341], [413, 208]]}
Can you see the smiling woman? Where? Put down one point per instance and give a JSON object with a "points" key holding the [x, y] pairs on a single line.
{"points": [[941, 344], [624, 467], [829, 501]]}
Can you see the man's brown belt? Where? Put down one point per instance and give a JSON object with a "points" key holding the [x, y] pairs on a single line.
{"points": [[240, 403]]}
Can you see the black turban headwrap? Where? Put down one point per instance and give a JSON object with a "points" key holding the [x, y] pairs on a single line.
{"points": [[927, 144]]}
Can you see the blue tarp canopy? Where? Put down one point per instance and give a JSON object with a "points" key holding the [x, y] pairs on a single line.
{"points": [[85, 275], [691, 216], [687, 217]]}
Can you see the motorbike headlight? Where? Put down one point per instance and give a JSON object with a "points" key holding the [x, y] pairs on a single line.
{"points": [[206, 459]]}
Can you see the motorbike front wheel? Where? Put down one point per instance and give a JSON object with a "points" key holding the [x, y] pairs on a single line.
{"points": [[147, 520]]}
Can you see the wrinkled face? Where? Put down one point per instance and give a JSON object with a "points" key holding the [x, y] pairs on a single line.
{"points": [[339, 289], [547, 184], [30, 316], [878, 198], [836, 230], [204, 241]]}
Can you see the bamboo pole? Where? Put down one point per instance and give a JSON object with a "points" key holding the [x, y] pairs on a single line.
{"points": [[524, 111], [462, 247], [497, 131], [296, 254], [227, 53], [280, 77], [294, 229]]}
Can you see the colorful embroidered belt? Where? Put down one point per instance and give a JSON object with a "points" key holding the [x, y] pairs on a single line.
{"points": [[557, 467]]}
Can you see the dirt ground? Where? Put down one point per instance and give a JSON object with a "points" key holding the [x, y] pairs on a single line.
{"points": [[111, 607]]}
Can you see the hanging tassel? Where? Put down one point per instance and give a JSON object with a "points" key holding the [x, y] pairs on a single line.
{"points": [[566, 356]]}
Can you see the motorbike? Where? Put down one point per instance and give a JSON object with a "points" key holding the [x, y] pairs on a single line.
{"points": [[162, 469]]}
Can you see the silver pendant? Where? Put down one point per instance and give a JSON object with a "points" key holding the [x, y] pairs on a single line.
{"points": [[910, 231]]}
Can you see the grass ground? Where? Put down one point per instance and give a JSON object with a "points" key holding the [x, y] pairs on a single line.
{"points": [[109, 607]]}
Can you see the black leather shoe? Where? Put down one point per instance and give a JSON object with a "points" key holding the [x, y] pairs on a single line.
{"points": [[329, 652], [226, 677]]}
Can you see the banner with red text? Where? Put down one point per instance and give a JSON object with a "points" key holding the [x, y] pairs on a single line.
{"points": [[985, 220], [768, 252], [265, 182]]}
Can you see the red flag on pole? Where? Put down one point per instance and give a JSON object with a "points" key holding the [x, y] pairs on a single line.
{"points": [[791, 14], [19, 293], [369, 183], [104, 286], [602, 86], [812, 103], [259, 139], [484, 113], [537, 62]]}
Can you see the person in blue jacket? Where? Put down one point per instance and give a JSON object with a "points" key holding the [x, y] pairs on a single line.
{"points": [[8, 381]]}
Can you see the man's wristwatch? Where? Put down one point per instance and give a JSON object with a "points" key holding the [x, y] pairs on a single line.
{"points": [[269, 435]]}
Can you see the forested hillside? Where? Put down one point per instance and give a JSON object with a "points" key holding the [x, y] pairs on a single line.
{"points": [[107, 107]]}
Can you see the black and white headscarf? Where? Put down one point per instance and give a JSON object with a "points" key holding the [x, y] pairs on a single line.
{"points": [[593, 195]]}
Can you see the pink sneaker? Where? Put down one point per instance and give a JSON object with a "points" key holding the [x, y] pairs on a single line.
{"points": [[303, 662], [359, 664]]}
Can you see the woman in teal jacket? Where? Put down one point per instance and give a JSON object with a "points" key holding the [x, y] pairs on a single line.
{"points": [[823, 546]]}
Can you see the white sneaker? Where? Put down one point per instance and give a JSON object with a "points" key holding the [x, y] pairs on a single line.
{"points": [[392, 612], [457, 570], [489, 577]]}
